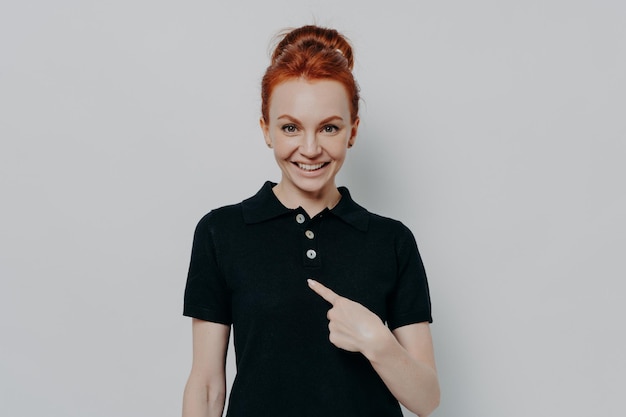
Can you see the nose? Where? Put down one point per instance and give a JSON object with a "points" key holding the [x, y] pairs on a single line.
{"points": [[310, 146]]}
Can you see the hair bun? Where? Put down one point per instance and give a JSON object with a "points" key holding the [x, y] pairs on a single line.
{"points": [[311, 53], [314, 38]]}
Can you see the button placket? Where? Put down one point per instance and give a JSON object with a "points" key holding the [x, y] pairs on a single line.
{"points": [[311, 255]]}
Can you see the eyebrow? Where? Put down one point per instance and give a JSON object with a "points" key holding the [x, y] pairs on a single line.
{"points": [[295, 120]]}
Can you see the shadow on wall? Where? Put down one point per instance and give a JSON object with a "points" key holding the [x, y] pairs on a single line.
{"points": [[369, 174]]}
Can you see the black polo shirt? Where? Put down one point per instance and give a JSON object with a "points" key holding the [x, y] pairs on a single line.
{"points": [[249, 266]]}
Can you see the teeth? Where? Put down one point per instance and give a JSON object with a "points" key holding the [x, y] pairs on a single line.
{"points": [[310, 167]]}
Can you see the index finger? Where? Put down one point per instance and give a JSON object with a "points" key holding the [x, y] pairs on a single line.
{"points": [[324, 292]]}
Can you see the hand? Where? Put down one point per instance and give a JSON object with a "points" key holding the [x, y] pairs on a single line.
{"points": [[352, 326]]}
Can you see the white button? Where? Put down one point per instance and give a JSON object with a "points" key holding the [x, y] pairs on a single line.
{"points": [[309, 234], [300, 218], [311, 254]]}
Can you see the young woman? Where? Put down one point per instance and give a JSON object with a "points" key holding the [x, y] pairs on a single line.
{"points": [[328, 302]]}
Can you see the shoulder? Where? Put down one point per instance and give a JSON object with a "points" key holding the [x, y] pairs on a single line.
{"points": [[258, 207], [385, 221], [224, 213], [221, 217], [379, 224], [396, 233], [374, 224]]}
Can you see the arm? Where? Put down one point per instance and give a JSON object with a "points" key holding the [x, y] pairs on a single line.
{"points": [[205, 392], [403, 359]]}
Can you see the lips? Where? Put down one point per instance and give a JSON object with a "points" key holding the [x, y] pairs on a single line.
{"points": [[311, 167]]}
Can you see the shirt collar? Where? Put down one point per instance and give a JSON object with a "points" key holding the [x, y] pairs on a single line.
{"points": [[265, 206]]}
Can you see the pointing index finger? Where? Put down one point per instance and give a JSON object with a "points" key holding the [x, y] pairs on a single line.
{"points": [[324, 292]]}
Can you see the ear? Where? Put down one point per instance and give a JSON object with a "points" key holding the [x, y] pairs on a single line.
{"points": [[353, 131], [266, 132]]}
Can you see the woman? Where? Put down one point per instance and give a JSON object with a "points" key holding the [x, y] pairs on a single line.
{"points": [[329, 303]]}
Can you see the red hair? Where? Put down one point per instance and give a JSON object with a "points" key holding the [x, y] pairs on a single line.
{"points": [[312, 53]]}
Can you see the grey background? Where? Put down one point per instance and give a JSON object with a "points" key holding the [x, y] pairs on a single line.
{"points": [[494, 129]]}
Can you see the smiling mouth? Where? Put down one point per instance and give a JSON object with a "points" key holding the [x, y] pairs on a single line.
{"points": [[314, 167]]}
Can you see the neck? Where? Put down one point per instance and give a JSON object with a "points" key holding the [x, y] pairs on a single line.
{"points": [[312, 202]]}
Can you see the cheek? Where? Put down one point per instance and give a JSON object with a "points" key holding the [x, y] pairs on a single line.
{"points": [[341, 156], [282, 150], [338, 149]]}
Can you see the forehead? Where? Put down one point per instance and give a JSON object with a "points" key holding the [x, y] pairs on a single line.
{"points": [[309, 98]]}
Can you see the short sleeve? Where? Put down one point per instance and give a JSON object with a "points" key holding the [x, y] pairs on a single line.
{"points": [[410, 300], [207, 296]]}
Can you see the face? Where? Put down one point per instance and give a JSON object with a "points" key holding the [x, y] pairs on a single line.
{"points": [[310, 130]]}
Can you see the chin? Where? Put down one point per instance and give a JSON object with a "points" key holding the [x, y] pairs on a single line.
{"points": [[313, 185]]}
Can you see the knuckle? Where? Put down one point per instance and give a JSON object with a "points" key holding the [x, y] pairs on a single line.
{"points": [[340, 301]]}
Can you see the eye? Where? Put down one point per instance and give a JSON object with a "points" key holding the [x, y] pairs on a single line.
{"points": [[289, 128], [330, 129]]}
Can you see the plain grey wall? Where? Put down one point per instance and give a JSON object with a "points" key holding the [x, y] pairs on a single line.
{"points": [[494, 129]]}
